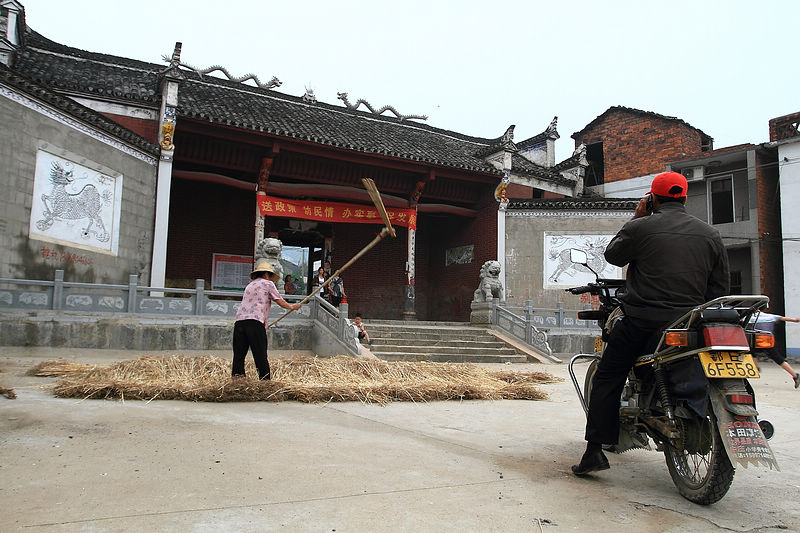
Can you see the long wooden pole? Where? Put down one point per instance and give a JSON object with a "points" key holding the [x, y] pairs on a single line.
{"points": [[387, 230]]}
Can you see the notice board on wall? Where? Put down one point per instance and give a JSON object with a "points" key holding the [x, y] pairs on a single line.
{"points": [[231, 272]]}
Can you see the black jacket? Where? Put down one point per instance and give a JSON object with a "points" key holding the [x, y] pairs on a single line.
{"points": [[675, 262]]}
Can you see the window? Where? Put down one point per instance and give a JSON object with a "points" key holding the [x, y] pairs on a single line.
{"points": [[721, 200], [595, 172], [736, 282]]}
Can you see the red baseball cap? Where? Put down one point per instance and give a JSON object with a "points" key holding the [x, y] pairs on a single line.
{"points": [[670, 184]]}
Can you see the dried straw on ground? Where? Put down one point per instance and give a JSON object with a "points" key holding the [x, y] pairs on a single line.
{"points": [[5, 391], [304, 379], [8, 393]]}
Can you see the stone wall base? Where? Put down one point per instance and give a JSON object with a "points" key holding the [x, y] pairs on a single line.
{"points": [[139, 332]]}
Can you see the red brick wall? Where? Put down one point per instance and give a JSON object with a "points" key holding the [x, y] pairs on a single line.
{"points": [[520, 192], [452, 286], [205, 218], [548, 194], [640, 144], [769, 231], [375, 283], [144, 127], [783, 127]]}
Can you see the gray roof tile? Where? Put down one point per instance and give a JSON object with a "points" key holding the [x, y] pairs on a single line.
{"points": [[219, 101]]}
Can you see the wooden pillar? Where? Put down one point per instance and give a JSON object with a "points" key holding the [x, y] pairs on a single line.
{"points": [[409, 311], [261, 186]]}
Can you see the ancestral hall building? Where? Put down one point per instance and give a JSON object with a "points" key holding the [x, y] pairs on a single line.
{"points": [[222, 149]]}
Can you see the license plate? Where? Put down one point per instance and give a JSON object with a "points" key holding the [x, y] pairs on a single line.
{"points": [[598, 344], [728, 365]]}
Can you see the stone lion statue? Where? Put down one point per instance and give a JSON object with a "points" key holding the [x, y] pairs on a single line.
{"points": [[270, 249], [490, 286]]}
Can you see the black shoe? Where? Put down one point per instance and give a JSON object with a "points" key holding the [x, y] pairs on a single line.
{"points": [[591, 462]]}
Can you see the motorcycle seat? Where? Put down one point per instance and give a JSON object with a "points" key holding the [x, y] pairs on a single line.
{"points": [[720, 315]]}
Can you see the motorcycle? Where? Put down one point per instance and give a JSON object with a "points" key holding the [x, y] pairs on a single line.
{"points": [[691, 397]]}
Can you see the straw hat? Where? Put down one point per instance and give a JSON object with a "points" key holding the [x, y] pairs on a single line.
{"points": [[262, 265]]}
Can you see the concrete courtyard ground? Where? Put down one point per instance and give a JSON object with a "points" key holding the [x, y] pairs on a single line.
{"points": [[103, 466]]}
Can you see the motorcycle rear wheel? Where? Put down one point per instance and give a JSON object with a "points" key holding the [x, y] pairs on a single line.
{"points": [[702, 478]]}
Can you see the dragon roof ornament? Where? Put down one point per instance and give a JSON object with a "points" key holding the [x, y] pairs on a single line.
{"points": [[343, 98], [274, 82]]}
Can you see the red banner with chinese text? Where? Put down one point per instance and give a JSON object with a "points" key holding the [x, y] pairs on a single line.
{"points": [[272, 206]]}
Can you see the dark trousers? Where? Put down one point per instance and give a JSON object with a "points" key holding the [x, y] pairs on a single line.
{"points": [[253, 335], [630, 338]]}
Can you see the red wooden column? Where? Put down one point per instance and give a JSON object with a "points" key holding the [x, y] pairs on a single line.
{"points": [[409, 307]]}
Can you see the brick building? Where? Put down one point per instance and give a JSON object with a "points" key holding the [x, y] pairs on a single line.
{"points": [[624, 143], [733, 188]]}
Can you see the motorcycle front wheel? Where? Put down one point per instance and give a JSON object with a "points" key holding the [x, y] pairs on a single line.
{"points": [[703, 474]]}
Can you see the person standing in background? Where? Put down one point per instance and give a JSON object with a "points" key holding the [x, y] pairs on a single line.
{"points": [[319, 279], [770, 323], [337, 293]]}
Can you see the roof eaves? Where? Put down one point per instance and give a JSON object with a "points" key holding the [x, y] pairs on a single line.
{"points": [[575, 204], [76, 110]]}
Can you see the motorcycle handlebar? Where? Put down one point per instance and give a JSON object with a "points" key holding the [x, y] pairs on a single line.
{"points": [[580, 290]]}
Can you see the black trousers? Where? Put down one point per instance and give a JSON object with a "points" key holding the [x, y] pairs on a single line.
{"points": [[630, 338], [253, 335]]}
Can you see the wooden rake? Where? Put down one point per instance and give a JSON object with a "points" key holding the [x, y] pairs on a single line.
{"points": [[372, 190]]}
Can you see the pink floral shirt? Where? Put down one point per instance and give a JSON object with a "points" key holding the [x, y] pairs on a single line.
{"points": [[257, 299]]}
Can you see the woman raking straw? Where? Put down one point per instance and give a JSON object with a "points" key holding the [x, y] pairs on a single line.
{"points": [[250, 328]]}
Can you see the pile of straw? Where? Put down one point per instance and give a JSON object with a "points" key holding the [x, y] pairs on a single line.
{"points": [[304, 379], [8, 393], [5, 391]]}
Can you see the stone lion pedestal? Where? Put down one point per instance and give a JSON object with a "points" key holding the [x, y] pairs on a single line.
{"points": [[481, 313], [489, 289]]}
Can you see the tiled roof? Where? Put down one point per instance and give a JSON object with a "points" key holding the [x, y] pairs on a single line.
{"points": [[90, 74], [602, 204], [219, 101], [73, 109], [635, 112], [520, 165]]}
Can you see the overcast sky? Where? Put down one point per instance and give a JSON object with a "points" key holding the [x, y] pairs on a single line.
{"points": [[476, 67]]}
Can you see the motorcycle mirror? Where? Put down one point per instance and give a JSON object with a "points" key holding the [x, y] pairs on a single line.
{"points": [[578, 256]]}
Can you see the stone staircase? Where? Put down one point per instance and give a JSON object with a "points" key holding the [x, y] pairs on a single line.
{"points": [[446, 342]]}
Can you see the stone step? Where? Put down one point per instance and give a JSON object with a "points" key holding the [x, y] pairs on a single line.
{"points": [[446, 342], [417, 323], [420, 328], [442, 349], [490, 344], [451, 358], [427, 336]]}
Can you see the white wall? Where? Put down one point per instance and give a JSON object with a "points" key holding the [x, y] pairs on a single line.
{"points": [[789, 165], [630, 188]]}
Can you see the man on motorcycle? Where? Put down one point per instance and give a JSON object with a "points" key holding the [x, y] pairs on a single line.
{"points": [[675, 262]]}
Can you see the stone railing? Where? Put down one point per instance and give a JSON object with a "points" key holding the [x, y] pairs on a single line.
{"points": [[134, 299], [531, 324]]}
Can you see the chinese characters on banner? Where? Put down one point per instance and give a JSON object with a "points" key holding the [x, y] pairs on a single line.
{"points": [[333, 212]]}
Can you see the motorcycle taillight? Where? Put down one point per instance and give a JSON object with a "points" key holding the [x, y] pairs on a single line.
{"points": [[763, 340], [725, 336], [746, 399]]}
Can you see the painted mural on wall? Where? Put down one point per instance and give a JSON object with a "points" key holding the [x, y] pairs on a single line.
{"points": [[75, 205], [461, 255], [560, 272]]}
